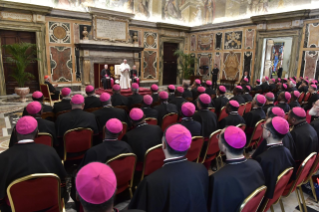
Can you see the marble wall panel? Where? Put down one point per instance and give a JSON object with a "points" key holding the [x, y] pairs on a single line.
{"points": [[249, 38], [61, 63], [231, 65], [59, 32], [233, 40], [205, 42], [150, 65], [313, 35], [247, 62], [218, 41], [217, 59], [311, 59], [204, 65], [193, 43], [150, 40]]}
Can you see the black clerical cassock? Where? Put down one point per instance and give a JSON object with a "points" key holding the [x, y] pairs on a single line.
{"points": [[251, 119], [187, 94], [134, 99], [311, 101], [194, 127], [64, 105], [233, 183], [149, 112], [106, 113], [44, 126], [118, 99], [143, 137], [219, 103], [92, 102], [179, 185], [265, 107], [232, 120], [274, 161], [284, 106], [247, 97], [178, 101], [106, 81], [53, 90], [239, 98], [45, 108], [208, 121], [294, 104], [163, 109]]}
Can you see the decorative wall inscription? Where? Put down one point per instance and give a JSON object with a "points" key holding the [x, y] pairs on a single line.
{"points": [[111, 29], [16, 16]]}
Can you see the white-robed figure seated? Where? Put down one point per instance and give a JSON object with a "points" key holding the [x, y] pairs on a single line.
{"points": [[125, 75]]}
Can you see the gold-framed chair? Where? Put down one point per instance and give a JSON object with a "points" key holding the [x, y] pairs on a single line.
{"points": [[77, 141], [123, 166], [47, 95], [92, 109], [151, 121], [241, 109], [312, 171], [212, 150], [241, 126], [223, 114], [44, 138], [195, 149], [169, 119], [257, 133], [252, 202], [36, 192]]}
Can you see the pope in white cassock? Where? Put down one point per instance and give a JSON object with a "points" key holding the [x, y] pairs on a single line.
{"points": [[125, 75]]}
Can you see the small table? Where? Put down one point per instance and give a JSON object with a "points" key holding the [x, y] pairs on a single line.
{"points": [[231, 82]]}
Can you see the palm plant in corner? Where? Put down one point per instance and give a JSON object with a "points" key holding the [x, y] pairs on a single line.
{"points": [[186, 62], [21, 56]]}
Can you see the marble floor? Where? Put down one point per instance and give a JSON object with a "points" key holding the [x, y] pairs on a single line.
{"points": [[11, 110]]}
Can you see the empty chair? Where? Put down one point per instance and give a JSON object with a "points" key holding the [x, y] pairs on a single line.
{"points": [[168, 120], [194, 151], [36, 192], [252, 202], [151, 121], [44, 138]]}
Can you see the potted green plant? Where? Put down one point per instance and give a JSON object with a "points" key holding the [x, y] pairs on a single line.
{"points": [[21, 55], [187, 62]]}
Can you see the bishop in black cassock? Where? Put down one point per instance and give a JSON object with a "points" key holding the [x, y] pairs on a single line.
{"points": [[178, 100], [270, 98], [164, 108], [283, 99], [91, 101], [117, 97], [65, 103], [247, 97], [56, 94], [221, 100], [135, 98], [187, 93], [229, 186], [38, 96], [233, 118], [294, 99], [106, 77], [147, 110], [154, 90], [313, 98], [209, 90], [180, 185], [187, 111], [238, 95]]}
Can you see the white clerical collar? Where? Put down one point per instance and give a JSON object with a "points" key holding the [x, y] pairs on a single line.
{"points": [[24, 141], [173, 158]]}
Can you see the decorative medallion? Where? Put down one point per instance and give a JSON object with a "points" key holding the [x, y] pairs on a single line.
{"points": [[59, 32], [233, 40], [150, 40]]}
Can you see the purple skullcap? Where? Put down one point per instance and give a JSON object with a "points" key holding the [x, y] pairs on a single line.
{"points": [[307, 82], [235, 137], [270, 95], [201, 89], [163, 95], [205, 98], [234, 103], [171, 87], [197, 81], [278, 111], [135, 86], [37, 95], [114, 125], [188, 109], [89, 89], [314, 86], [239, 87], [180, 89], [65, 91], [222, 88], [248, 87], [105, 97], [246, 79], [293, 81], [26, 125], [147, 99], [273, 79], [279, 80], [136, 114], [296, 94], [301, 78], [278, 83], [287, 95], [154, 87], [77, 99], [178, 137], [299, 111], [266, 78], [284, 85], [208, 82], [280, 125], [116, 87], [34, 108], [258, 80], [285, 79], [261, 99], [96, 183]]}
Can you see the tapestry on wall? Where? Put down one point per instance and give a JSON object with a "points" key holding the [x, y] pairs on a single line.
{"points": [[233, 40], [204, 65], [59, 32], [231, 66], [61, 63], [205, 42], [150, 64]]}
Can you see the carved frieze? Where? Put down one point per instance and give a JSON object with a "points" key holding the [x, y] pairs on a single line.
{"points": [[16, 16]]}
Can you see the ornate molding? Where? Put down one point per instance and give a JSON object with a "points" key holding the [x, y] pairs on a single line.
{"points": [[229, 24], [172, 27], [70, 14], [105, 12], [27, 8], [281, 17], [139, 23]]}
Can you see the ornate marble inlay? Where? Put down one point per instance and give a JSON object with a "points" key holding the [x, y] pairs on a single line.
{"points": [[59, 32], [150, 40]]}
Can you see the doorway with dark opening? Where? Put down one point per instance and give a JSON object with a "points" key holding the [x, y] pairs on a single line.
{"points": [[170, 63]]}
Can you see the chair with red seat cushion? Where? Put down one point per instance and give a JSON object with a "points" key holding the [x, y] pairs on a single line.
{"points": [[92, 109], [168, 120], [36, 192], [222, 114], [308, 117], [252, 202], [153, 160], [248, 107], [241, 109], [302, 95], [313, 170], [194, 151], [257, 133], [212, 109], [212, 149], [307, 96], [241, 126], [302, 174], [123, 166], [77, 141], [48, 115], [151, 121], [44, 138], [281, 184], [47, 95], [123, 131]]}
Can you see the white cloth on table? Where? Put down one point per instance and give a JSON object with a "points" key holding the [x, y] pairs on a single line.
{"points": [[125, 76]]}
